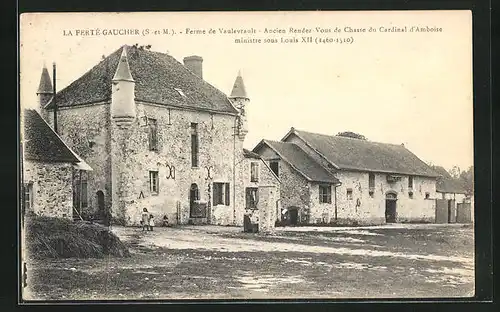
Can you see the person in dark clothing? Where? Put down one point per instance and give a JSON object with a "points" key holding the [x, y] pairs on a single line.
{"points": [[145, 219], [165, 220]]}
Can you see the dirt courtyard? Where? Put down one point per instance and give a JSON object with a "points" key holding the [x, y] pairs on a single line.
{"points": [[216, 262]]}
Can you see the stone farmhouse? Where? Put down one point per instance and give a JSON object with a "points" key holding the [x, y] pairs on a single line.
{"points": [[333, 179], [49, 169], [158, 136]]}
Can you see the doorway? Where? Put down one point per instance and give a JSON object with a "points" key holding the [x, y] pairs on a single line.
{"points": [[101, 209], [390, 207], [294, 215]]}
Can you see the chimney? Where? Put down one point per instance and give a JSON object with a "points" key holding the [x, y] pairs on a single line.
{"points": [[194, 64]]}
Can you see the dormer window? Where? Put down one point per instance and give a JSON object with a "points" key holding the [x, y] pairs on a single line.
{"points": [[371, 183], [254, 172], [152, 134], [181, 93], [410, 182], [393, 178]]}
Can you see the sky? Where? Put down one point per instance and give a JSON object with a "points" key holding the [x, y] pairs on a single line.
{"points": [[394, 87]]}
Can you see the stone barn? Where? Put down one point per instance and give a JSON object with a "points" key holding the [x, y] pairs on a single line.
{"points": [[49, 168], [158, 136], [307, 186], [362, 182]]}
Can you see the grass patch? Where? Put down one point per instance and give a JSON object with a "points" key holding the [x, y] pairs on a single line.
{"points": [[48, 237]]}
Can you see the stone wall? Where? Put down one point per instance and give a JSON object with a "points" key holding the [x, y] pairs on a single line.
{"points": [[52, 188], [372, 208], [217, 147], [321, 213], [294, 190], [268, 195], [88, 131], [266, 179], [85, 129]]}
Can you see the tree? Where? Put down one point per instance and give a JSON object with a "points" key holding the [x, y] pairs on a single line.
{"points": [[455, 172], [467, 180], [350, 134]]}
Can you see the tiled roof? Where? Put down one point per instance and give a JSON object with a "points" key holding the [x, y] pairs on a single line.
{"points": [[354, 154], [156, 76], [250, 154], [300, 161], [42, 143], [446, 183]]}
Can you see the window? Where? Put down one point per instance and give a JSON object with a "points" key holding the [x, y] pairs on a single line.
{"points": [[252, 197], [28, 196], [410, 183], [194, 145], [153, 134], [153, 182], [274, 167], [371, 180], [349, 194], [254, 172], [371, 184], [325, 194], [427, 195], [80, 196], [221, 194]]}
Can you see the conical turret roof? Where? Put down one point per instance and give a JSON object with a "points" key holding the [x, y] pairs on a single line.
{"points": [[123, 69], [45, 85], [239, 88]]}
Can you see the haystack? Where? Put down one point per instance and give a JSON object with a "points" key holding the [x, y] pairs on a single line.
{"points": [[47, 237]]}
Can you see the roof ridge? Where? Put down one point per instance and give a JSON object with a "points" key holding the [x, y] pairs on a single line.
{"points": [[349, 138], [375, 156], [311, 159], [82, 75], [281, 142]]}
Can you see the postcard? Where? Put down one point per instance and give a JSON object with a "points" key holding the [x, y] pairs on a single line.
{"points": [[246, 155]]}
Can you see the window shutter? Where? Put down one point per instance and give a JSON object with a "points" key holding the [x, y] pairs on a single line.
{"points": [[216, 196], [227, 194]]}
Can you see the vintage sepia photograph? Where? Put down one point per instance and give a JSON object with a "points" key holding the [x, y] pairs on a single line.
{"points": [[246, 155]]}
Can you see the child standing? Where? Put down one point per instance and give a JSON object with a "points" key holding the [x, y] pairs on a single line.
{"points": [[165, 220], [151, 222], [145, 219]]}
